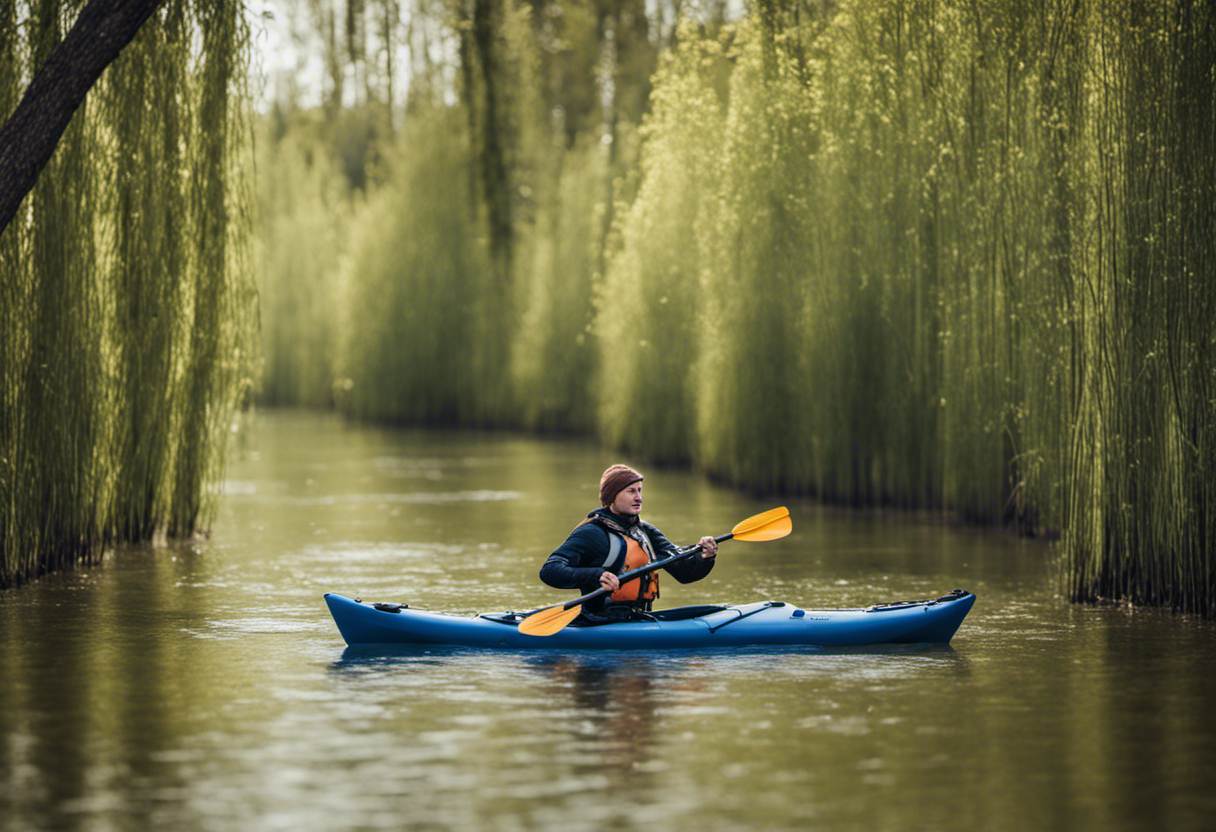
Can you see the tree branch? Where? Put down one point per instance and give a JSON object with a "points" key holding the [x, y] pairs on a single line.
{"points": [[30, 136]]}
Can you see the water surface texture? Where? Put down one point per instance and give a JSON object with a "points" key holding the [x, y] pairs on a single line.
{"points": [[204, 686]]}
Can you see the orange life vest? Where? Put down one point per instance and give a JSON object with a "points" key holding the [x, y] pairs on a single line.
{"points": [[642, 588]]}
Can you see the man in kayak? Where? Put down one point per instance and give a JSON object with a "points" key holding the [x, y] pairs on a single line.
{"points": [[614, 539]]}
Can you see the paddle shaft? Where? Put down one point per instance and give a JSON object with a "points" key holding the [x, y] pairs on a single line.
{"points": [[642, 570]]}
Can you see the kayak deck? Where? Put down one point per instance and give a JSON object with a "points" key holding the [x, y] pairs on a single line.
{"points": [[765, 623]]}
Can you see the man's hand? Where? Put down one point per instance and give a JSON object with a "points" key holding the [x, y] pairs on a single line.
{"points": [[709, 547], [609, 581]]}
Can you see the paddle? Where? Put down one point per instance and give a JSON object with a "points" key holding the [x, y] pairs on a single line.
{"points": [[767, 525]]}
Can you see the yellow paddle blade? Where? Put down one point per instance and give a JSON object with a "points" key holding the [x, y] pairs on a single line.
{"points": [[550, 621], [767, 525]]}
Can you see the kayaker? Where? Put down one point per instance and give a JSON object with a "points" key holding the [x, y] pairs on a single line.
{"points": [[613, 539]]}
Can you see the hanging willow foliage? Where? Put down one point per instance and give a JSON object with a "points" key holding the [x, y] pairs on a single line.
{"points": [[649, 296], [222, 296], [1142, 505], [124, 289], [55, 425], [430, 307], [301, 238], [958, 255], [946, 254], [554, 353], [424, 284], [149, 262]]}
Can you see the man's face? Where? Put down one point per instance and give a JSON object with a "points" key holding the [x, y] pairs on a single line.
{"points": [[628, 501]]}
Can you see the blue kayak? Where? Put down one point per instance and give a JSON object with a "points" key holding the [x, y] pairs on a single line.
{"points": [[761, 624]]}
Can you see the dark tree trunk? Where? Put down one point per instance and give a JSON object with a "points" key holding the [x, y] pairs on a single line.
{"points": [[30, 136], [494, 173]]}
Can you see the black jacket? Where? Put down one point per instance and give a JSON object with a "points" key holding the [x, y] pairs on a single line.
{"points": [[579, 561]]}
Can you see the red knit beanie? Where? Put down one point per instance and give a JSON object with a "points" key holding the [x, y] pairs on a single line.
{"points": [[615, 479]]}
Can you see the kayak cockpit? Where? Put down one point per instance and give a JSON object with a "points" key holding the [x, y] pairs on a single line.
{"points": [[674, 614]]}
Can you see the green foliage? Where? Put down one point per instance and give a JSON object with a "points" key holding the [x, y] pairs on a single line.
{"points": [[125, 300], [149, 205], [649, 299], [497, 163], [860, 338], [216, 358], [554, 357], [958, 256], [1141, 505], [303, 220], [948, 255], [755, 285], [422, 298]]}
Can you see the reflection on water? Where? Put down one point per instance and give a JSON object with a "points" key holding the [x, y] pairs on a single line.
{"points": [[203, 686]]}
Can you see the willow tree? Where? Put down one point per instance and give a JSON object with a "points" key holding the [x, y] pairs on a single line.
{"points": [[56, 426], [962, 254], [649, 302], [214, 366], [301, 239], [591, 65], [149, 262], [420, 271], [1142, 508], [551, 94], [122, 277], [756, 271]]}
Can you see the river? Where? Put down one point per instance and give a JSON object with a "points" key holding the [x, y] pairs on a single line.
{"points": [[203, 685]]}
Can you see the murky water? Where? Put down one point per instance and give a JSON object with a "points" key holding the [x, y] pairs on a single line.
{"points": [[204, 686]]}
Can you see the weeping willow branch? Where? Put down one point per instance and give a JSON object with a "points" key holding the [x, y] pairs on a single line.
{"points": [[31, 134]]}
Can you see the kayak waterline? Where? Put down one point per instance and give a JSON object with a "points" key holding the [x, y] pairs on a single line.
{"points": [[759, 624]]}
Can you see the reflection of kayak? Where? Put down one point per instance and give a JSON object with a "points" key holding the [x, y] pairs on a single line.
{"points": [[771, 623]]}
